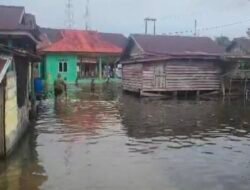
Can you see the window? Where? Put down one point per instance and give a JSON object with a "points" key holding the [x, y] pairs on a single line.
{"points": [[63, 67]]}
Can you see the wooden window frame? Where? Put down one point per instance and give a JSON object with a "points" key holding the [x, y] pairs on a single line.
{"points": [[63, 67]]}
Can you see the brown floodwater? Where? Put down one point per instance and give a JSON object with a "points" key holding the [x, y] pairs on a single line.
{"points": [[109, 140]]}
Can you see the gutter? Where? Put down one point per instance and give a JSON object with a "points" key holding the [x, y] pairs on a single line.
{"points": [[19, 33], [174, 57]]}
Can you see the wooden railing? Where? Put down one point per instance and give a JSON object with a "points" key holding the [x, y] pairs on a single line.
{"points": [[241, 74]]}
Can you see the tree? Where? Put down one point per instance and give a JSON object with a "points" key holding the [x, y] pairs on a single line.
{"points": [[248, 32], [223, 41]]}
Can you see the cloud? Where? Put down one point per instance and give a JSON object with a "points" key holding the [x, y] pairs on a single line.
{"points": [[127, 16]]}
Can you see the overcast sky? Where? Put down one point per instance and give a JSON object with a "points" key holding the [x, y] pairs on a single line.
{"points": [[127, 16]]}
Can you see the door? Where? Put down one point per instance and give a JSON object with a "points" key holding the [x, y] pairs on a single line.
{"points": [[2, 121], [160, 76]]}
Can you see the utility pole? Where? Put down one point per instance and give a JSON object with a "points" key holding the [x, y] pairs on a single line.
{"points": [[195, 27], [87, 16], [146, 24], [69, 21]]}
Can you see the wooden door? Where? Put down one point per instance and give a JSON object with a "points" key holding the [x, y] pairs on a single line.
{"points": [[2, 119], [160, 76]]}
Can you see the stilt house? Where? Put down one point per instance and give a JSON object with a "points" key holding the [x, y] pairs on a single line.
{"points": [[161, 64]]}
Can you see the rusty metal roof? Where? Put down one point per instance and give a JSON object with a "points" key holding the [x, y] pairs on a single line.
{"points": [[163, 44], [78, 41]]}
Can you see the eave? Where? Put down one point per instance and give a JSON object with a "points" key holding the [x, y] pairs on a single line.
{"points": [[19, 33]]}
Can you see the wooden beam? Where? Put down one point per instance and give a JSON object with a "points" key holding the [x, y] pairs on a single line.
{"points": [[2, 119], [100, 68]]}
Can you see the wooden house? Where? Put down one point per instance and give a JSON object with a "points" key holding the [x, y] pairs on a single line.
{"points": [[18, 40], [239, 51], [77, 54], [162, 64], [238, 54]]}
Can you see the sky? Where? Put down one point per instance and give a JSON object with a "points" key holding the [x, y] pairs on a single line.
{"points": [[127, 16]]}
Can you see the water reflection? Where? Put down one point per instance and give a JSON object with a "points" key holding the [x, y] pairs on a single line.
{"points": [[109, 140], [182, 124], [23, 170]]}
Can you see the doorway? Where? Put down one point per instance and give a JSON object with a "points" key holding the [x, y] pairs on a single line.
{"points": [[160, 76]]}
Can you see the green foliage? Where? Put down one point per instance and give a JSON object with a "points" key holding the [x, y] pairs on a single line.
{"points": [[223, 41]]}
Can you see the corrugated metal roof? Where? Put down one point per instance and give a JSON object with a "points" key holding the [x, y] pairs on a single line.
{"points": [[4, 64], [114, 38], [53, 35], [77, 41], [14, 21], [163, 44], [10, 17]]}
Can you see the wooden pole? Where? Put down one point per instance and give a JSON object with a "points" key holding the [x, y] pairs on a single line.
{"points": [[100, 68], [2, 119], [33, 111], [230, 87], [245, 88], [154, 28], [223, 88]]}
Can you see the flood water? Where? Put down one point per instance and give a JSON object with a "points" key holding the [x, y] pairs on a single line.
{"points": [[109, 140]]}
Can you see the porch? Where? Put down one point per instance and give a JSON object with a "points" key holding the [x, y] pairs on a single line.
{"points": [[95, 67]]}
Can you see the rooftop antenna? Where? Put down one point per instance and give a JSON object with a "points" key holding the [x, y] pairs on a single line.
{"points": [[87, 15], [69, 22], [146, 24]]}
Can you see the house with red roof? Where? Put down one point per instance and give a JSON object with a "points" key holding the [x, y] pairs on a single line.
{"points": [[78, 54]]}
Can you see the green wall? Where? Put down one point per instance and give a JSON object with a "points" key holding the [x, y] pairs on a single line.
{"points": [[52, 67]]}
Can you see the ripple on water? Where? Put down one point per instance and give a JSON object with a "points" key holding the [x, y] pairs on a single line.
{"points": [[129, 139]]}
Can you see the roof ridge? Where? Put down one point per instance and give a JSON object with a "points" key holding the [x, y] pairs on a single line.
{"points": [[12, 6], [82, 41], [111, 33], [163, 35]]}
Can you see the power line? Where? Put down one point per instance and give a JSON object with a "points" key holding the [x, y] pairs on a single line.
{"points": [[212, 27], [146, 24]]}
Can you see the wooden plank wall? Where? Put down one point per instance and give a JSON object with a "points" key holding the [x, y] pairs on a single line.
{"points": [[181, 76], [2, 127], [132, 77]]}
